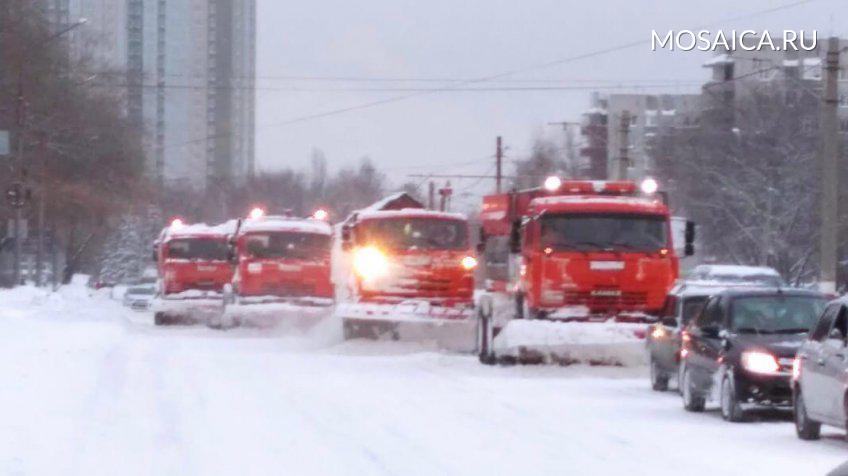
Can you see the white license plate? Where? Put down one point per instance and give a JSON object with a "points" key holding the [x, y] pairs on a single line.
{"points": [[290, 268], [606, 265], [206, 269]]}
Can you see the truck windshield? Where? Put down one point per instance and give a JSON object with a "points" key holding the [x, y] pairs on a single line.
{"points": [[305, 246], [414, 233], [198, 249], [603, 231], [775, 314]]}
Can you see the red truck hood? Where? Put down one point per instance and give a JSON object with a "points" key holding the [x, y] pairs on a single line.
{"points": [[285, 278], [608, 281], [183, 275], [423, 274]]}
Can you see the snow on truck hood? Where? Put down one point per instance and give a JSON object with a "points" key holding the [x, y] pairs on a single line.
{"points": [[410, 213], [199, 230], [297, 225]]}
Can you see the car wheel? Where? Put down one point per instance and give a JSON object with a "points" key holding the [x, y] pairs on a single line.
{"points": [[731, 409], [805, 428], [691, 400], [159, 319], [659, 381]]}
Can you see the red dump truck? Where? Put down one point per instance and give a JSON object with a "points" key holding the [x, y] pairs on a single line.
{"points": [[192, 270], [410, 274], [575, 270]]}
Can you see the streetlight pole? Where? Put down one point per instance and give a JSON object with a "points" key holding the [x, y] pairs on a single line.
{"points": [[21, 123]]}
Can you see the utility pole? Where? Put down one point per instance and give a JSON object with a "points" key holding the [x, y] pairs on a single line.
{"points": [[499, 165], [431, 196], [624, 145], [445, 196], [829, 169]]}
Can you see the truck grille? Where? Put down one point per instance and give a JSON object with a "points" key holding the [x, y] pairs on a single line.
{"points": [[606, 298], [289, 289]]}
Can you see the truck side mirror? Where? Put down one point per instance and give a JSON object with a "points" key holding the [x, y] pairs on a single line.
{"points": [[515, 237], [231, 252], [155, 254], [346, 238], [690, 239]]}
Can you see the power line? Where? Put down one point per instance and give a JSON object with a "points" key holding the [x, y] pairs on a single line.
{"points": [[569, 59]]}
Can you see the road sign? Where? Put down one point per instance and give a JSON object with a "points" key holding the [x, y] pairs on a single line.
{"points": [[16, 195]]}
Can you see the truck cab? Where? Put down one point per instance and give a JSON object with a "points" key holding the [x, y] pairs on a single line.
{"points": [[282, 258], [192, 269], [585, 250]]}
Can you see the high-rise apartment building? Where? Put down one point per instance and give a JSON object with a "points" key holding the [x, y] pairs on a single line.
{"points": [[189, 67]]}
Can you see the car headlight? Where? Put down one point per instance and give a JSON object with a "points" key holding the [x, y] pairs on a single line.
{"points": [[659, 332], [370, 263], [760, 362]]}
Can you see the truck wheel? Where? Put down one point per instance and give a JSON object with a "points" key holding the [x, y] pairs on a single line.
{"points": [[159, 319], [485, 335], [731, 409], [805, 428], [519, 306], [691, 400], [659, 381]]}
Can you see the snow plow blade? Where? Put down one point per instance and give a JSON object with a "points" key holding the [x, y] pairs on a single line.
{"points": [[563, 342], [450, 328], [296, 315], [195, 310]]}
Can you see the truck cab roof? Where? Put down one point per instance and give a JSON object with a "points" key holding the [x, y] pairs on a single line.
{"points": [[274, 223], [596, 203], [197, 230]]}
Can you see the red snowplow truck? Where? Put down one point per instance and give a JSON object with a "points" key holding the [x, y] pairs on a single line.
{"points": [[575, 270], [192, 270], [282, 272], [410, 274]]}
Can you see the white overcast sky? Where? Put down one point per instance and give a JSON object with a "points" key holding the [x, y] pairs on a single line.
{"points": [[455, 40]]}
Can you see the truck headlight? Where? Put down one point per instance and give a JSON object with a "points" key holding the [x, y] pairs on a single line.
{"points": [[370, 263], [760, 362], [469, 263]]}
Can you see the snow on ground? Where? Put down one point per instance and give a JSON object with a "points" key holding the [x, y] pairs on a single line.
{"points": [[90, 387]]}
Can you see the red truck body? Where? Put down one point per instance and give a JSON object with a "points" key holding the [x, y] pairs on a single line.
{"points": [[428, 270], [192, 268], [589, 250], [283, 259]]}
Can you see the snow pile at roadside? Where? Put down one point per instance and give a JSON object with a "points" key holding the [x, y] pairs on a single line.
{"points": [[587, 342], [74, 301]]}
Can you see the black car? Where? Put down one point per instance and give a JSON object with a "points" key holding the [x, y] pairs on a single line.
{"points": [[683, 303], [741, 346], [820, 375]]}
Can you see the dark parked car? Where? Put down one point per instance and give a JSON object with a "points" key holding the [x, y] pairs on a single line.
{"points": [[683, 303], [820, 375], [741, 348]]}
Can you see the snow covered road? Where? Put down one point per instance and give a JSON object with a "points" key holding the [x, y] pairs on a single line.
{"points": [[91, 388]]}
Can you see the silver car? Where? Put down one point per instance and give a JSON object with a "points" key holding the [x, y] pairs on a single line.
{"points": [[139, 298], [820, 374]]}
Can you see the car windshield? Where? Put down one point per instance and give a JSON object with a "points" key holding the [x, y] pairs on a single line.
{"points": [[292, 245], [691, 307], [624, 232], [414, 233], [775, 314], [203, 249]]}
